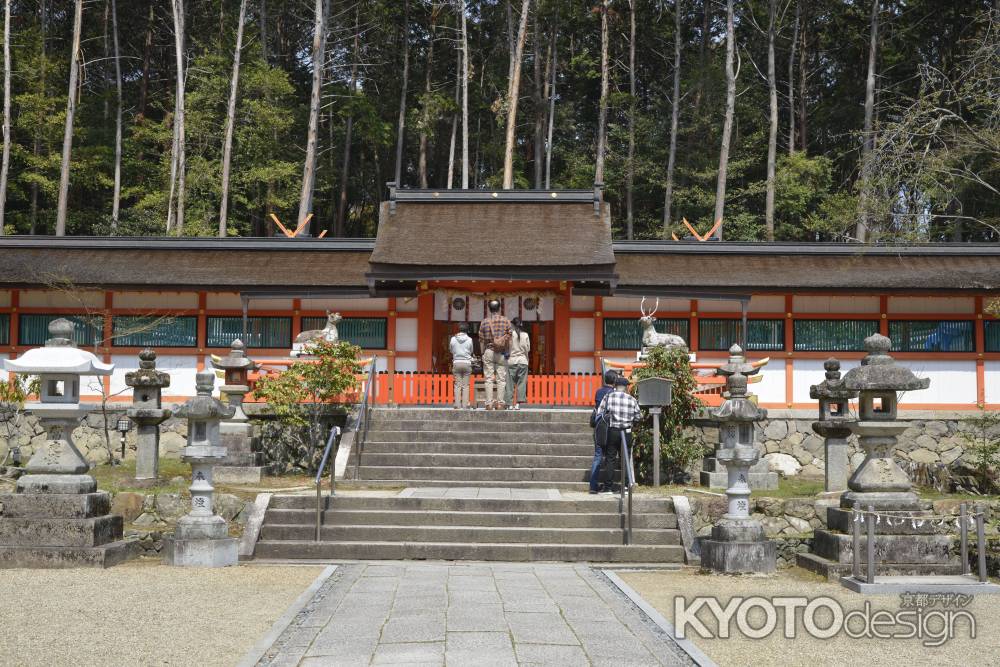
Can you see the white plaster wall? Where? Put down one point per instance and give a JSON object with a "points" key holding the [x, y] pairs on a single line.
{"points": [[771, 389], [225, 301], [342, 304], [910, 304], [716, 306], [4, 298], [406, 335], [807, 372], [581, 334], [835, 304], [766, 303], [61, 299], [406, 304], [181, 367], [270, 304], [3, 374], [951, 382], [406, 364], [585, 303], [155, 300], [581, 365], [631, 304], [992, 381], [621, 358]]}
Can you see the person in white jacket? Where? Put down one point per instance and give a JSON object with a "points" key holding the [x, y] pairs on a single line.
{"points": [[517, 365], [461, 364]]}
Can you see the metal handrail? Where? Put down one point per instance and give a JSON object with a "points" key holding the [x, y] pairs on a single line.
{"points": [[628, 484], [364, 416]]}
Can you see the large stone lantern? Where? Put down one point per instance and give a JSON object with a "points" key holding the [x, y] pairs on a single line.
{"points": [[57, 517], [148, 413], [738, 543], [202, 537], [879, 481], [241, 463], [834, 424]]}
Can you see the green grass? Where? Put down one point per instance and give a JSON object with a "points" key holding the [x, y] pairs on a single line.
{"points": [[116, 479]]}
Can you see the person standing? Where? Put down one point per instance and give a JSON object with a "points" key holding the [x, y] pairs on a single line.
{"points": [[461, 364], [622, 412], [494, 338], [600, 426], [517, 365]]}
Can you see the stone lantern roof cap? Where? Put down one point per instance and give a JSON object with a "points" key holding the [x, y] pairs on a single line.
{"points": [[236, 359], [204, 406], [737, 363], [880, 372], [833, 386], [738, 406], [147, 375], [60, 356]]}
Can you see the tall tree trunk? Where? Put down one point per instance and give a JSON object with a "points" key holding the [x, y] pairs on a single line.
{"points": [[510, 41], [180, 144], [401, 124], [791, 83], [4, 169], [107, 57], [706, 24], [602, 116], [147, 52], [727, 125], [675, 106], [43, 92], [428, 76], [312, 135], [513, 93], [465, 98], [266, 54], [861, 228], [227, 146], [67, 149], [630, 166], [454, 119], [348, 131], [551, 96], [772, 135], [540, 83], [117, 195], [803, 57]]}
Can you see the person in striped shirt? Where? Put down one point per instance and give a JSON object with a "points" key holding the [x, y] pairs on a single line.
{"points": [[494, 339], [621, 411]]}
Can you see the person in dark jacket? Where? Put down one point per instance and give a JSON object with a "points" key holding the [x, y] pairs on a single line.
{"points": [[600, 426]]}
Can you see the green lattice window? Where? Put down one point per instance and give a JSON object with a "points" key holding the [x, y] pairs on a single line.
{"points": [[625, 333], [832, 335], [932, 336], [992, 336], [34, 329], [366, 332], [4, 329], [152, 331], [720, 334], [261, 331]]}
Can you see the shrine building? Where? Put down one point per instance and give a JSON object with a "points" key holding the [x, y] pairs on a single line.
{"points": [[440, 255]]}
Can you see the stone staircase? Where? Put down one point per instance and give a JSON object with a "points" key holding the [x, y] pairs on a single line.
{"points": [[480, 486], [445, 447]]}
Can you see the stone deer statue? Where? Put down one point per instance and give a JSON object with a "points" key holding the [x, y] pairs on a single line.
{"points": [[650, 336], [328, 333]]}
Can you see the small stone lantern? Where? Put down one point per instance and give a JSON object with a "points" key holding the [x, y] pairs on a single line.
{"points": [[879, 481], [738, 543], [57, 517], [148, 413], [833, 425], [237, 367], [202, 537], [241, 465]]}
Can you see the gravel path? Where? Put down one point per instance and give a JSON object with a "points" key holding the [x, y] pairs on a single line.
{"points": [[142, 613], [661, 588]]}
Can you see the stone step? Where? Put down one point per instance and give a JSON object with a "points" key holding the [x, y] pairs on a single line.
{"points": [[927, 549], [465, 533], [43, 532], [105, 555], [577, 426], [472, 474], [398, 483], [55, 505], [499, 519], [448, 414], [466, 460], [833, 570], [590, 505], [507, 435], [598, 553], [513, 448]]}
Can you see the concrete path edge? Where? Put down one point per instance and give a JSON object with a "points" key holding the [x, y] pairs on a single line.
{"points": [[263, 644], [685, 645]]}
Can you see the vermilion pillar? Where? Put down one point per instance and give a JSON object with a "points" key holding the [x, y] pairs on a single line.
{"points": [[425, 330], [560, 314]]}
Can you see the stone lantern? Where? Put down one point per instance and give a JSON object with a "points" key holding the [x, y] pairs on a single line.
{"points": [[241, 463], [202, 537], [834, 424], [57, 518], [738, 543], [879, 481], [148, 413]]}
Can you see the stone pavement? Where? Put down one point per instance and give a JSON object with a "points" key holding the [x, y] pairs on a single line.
{"points": [[437, 613]]}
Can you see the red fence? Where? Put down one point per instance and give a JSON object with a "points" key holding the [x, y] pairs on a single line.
{"points": [[439, 388]]}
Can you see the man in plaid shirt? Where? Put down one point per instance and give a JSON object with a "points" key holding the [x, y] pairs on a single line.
{"points": [[494, 339], [621, 411]]}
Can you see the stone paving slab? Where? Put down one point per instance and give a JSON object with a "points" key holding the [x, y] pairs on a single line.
{"points": [[446, 613]]}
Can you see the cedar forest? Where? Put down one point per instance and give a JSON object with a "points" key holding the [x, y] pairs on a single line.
{"points": [[791, 120]]}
